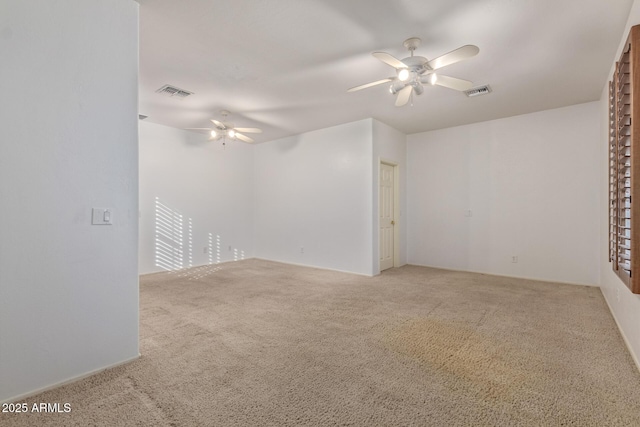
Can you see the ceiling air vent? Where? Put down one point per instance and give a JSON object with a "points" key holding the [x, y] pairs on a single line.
{"points": [[174, 91], [477, 91]]}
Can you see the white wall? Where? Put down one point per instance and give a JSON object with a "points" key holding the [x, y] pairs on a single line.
{"points": [[529, 183], [624, 305], [313, 191], [68, 142], [389, 145], [208, 183]]}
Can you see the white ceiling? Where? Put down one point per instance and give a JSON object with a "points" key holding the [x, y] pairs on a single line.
{"points": [[285, 65]]}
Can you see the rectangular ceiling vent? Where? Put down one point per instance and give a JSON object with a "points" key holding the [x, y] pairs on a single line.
{"points": [[477, 91], [174, 91]]}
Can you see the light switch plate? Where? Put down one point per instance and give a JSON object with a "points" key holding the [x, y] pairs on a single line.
{"points": [[102, 216]]}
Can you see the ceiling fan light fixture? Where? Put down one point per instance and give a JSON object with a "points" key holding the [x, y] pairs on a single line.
{"points": [[214, 134], [396, 87], [433, 79], [403, 74], [231, 133]]}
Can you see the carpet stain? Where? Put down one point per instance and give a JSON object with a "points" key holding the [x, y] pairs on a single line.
{"points": [[485, 367]]}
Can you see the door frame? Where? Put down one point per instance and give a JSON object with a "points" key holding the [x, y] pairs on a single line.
{"points": [[396, 210]]}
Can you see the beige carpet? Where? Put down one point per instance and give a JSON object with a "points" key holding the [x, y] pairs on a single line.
{"points": [[256, 343]]}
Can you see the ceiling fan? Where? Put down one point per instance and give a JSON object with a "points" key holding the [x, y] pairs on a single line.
{"points": [[415, 71], [224, 130]]}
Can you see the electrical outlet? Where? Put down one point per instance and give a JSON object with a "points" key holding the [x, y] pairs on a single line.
{"points": [[514, 259], [301, 250], [205, 250], [618, 294], [229, 248]]}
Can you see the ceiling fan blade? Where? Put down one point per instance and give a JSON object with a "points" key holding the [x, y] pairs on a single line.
{"points": [[249, 130], [454, 56], [364, 86], [453, 83], [198, 128], [217, 123], [403, 96], [389, 60], [244, 138]]}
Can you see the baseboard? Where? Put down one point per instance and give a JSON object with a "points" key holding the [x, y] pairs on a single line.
{"points": [[314, 266], [264, 259], [151, 273], [537, 279], [624, 336], [391, 268], [68, 381]]}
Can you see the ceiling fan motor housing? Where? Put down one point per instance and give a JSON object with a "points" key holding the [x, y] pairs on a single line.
{"points": [[417, 64]]}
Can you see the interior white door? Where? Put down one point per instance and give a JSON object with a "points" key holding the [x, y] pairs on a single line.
{"points": [[387, 219]]}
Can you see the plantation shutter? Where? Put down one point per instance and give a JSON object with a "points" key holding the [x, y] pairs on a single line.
{"points": [[624, 146]]}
